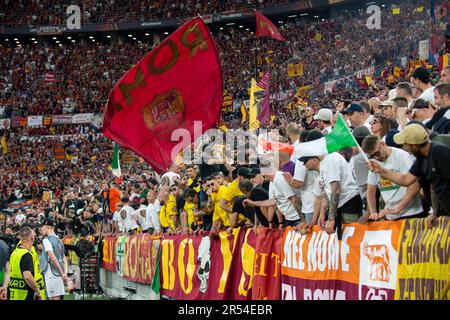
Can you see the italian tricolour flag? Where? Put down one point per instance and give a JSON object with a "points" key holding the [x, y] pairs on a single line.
{"points": [[339, 138]]}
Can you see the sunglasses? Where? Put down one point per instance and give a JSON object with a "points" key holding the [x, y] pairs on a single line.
{"points": [[209, 185], [374, 121]]}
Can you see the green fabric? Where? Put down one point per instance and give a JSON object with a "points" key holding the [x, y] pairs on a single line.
{"points": [[340, 137]]}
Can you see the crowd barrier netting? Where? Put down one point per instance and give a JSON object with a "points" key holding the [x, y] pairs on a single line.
{"points": [[389, 260]]}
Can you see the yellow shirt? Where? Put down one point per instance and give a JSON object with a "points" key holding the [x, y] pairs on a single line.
{"points": [[189, 208], [171, 211], [232, 193], [219, 213], [162, 217]]}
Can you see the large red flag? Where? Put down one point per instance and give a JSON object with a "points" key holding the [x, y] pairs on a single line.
{"points": [[177, 83], [265, 28]]}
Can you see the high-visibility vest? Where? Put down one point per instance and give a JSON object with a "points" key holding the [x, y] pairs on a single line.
{"points": [[18, 288]]}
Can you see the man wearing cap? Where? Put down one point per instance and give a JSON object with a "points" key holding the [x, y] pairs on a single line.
{"points": [[399, 201], [54, 266], [357, 116], [324, 117], [432, 165], [338, 189]]}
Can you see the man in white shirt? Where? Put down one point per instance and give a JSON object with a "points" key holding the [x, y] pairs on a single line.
{"points": [[337, 185], [399, 201], [293, 132], [173, 174], [128, 222], [421, 80], [324, 116]]}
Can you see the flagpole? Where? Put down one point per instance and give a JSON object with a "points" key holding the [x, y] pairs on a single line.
{"points": [[353, 137]]}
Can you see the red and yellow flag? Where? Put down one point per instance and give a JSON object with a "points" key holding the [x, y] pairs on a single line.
{"points": [[265, 28], [176, 84]]}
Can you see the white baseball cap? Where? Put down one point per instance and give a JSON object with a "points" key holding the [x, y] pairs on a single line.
{"points": [[324, 114]]}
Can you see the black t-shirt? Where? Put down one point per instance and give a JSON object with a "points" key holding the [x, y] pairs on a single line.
{"points": [[260, 194], [26, 264], [442, 126], [266, 185], [436, 169], [4, 255], [436, 117], [248, 212]]}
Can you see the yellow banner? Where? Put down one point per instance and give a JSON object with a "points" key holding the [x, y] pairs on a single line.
{"points": [[295, 70], [445, 61], [396, 11], [369, 80], [424, 265], [253, 108]]}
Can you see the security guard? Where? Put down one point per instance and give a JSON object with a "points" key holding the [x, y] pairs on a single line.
{"points": [[26, 279]]}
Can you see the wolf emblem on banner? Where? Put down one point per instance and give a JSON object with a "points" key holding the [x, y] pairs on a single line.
{"points": [[165, 107], [378, 256]]}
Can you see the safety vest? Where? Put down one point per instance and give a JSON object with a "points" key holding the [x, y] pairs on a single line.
{"points": [[18, 288]]}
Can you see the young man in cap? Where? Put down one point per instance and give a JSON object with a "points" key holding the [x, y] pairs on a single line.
{"points": [[54, 266], [399, 201], [422, 111], [356, 115], [324, 116], [432, 159]]}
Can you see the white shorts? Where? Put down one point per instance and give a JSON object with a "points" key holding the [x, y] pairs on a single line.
{"points": [[54, 286]]}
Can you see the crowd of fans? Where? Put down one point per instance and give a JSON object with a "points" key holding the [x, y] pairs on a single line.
{"points": [[84, 73], [50, 12]]}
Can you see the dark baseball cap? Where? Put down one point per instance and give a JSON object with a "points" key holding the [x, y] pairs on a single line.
{"points": [[354, 107], [306, 159], [254, 172], [48, 222], [243, 172]]}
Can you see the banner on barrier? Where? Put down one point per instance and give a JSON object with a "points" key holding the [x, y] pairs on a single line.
{"points": [[109, 253], [361, 266], [267, 268], [424, 268], [62, 119], [82, 118], [186, 264], [139, 258], [34, 121], [120, 247]]}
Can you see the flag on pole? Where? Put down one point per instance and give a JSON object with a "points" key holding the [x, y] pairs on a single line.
{"points": [[166, 92], [253, 108], [115, 164], [156, 283], [243, 112], [265, 28], [264, 114], [4, 145], [339, 138]]}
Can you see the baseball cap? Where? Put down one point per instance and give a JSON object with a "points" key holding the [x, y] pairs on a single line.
{"points": [[354, 107], [420, 104], [413, 134], [243, 172], [324, 115], [305, 159], [254, 172], [48, 222], [387, 103]]}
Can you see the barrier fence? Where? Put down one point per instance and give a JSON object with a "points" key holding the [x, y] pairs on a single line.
{"points": [[379, 261]]}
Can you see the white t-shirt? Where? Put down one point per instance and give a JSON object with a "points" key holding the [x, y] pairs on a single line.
{"points": [[171, 175], [117, 218], [140, 220], [296, 153], [361, 170], [281, 191], [428, 95], [155, 215], [309, 179], [399, 161], [334, 168], [128, 222]]}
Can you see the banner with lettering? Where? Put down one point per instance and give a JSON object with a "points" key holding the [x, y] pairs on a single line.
{"points": [[120, 247], [109, 253], [361, 266], [201, 268], [423, 264], [267, 270], [139, 258]]}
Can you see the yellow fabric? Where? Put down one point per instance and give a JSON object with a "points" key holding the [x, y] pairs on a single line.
{"points": [[420, 9], [4, 145], [17, 286], [253, 108], [219, 213], [171, 211], [295, 70], [162, 217], [396, 11], [244, 113], [189, 208], [445, 60]]}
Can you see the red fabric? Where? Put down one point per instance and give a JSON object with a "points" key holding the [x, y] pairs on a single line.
{"points": [[277, 146], [265, 28], [177, 83]]}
